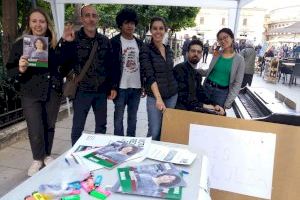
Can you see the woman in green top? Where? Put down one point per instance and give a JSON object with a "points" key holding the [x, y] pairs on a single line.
{"points": [[225, 73]]}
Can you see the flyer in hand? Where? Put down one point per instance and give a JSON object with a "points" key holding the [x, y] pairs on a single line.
{"points": [[156, 180], [113, 154], [35, 48]]}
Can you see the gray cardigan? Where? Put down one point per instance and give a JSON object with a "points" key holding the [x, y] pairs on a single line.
{"points": [[236, 77]]}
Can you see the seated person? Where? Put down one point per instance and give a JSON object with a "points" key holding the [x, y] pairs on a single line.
{"points": [[191, 95]]}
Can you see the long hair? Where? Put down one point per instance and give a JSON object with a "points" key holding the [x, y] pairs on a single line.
{"points": [[50, 27]]}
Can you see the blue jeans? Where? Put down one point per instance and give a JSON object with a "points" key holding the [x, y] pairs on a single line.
{"points": [[215, 95], [131, 98], [81, 106], [155, 115]]}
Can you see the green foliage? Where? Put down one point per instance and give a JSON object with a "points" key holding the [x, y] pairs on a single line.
{"points": [[107, 15], [181, 17]]}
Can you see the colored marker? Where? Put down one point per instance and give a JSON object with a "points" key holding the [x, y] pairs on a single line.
{"points": [[72, 197], [98, 180]]}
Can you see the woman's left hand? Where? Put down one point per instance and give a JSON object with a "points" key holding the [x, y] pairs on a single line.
{"points": [[160, 105]]}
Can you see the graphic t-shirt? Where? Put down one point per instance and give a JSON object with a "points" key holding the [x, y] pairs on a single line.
{"points": [[131, 65]]}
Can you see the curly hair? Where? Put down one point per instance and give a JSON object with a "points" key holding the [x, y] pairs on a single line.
{"points": [[132, 152], [126, 14], [171, 184], [42, 40]]}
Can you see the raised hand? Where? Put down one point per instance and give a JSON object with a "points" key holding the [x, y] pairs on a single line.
{"points": [[69, 33]]}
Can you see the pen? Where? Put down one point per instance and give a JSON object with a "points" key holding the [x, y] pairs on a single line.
{"points": [[66, 160], [184, 172]]}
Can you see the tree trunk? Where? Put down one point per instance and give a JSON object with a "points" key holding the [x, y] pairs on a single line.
{"points": [[9, 13]]}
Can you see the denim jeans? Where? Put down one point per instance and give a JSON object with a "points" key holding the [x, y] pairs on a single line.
{"points": [[41, 117], [215, 95], [81, 105], [155, 115], [131, 98]]}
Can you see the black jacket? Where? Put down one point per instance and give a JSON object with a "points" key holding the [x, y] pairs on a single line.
{"points": [[101, 76], [156, 69], [191, 94], [117, 55], [36, 82]]}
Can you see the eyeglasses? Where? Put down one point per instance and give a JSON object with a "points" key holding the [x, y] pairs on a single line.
{"points": [[223, 38]]}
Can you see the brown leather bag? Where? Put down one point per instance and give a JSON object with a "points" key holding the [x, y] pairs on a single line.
{"points": [[71, 84]]}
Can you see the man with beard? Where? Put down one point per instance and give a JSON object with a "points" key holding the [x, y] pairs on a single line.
{"points": [[191, 95]]}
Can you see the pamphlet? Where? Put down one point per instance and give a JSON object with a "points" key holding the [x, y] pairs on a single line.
{"points": [[172, 155], [156, 180], [90, 141], [113, 154], [35, 48]]}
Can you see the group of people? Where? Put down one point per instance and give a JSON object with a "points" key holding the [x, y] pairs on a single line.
{"points": [[123, 69]]}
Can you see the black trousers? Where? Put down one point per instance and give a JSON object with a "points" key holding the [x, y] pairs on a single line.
{"points": [[41, 117], [205, 54]]}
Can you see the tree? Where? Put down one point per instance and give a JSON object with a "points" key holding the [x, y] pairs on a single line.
{"points": [[9, 24], [107, 15], [181, 17]]}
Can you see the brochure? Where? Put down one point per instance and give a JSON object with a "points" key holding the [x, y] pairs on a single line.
{"points": [[35, 48], [172, 155], [113, 154], [156, 180], [90, 141]]}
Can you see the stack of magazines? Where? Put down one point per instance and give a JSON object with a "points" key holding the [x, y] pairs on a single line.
{"points": [[162, 180]]}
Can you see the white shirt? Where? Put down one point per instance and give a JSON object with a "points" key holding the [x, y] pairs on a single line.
{"points": [[131, 65]]}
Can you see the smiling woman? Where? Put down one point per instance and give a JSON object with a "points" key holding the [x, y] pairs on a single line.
{"points": [[157, 63], [40, 88], [225, 73]]}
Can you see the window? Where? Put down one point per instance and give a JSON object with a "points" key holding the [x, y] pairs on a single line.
{"points": [[201, 20], [245, 22], [223, 21]]}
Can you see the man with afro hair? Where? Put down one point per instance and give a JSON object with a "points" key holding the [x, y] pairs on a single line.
{"points": [[126, 58]]}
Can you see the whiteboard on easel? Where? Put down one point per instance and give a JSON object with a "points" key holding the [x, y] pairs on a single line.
{"points": [[240, 161]]}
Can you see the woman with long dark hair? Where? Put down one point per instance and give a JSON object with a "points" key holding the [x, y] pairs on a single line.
{"points": [[225, 73], [157, 64]]}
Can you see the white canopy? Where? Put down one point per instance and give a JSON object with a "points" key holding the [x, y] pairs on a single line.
{"points": [[234, 7]]}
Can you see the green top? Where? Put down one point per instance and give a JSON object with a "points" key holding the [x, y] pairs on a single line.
{"points": [[221, 71]]}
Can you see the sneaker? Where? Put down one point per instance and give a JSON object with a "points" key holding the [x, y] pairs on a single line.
{"points": [[35, 167], [48, 160]]}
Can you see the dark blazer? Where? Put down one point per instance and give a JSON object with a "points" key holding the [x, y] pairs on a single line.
{"points": [[191, 94], [156, 69], [36, 82]]}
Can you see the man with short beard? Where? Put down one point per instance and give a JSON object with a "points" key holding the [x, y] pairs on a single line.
{"points": [[191, 95]]}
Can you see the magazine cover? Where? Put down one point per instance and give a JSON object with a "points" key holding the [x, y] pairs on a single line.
{"points": [[35, 48], [156, 180], [113, 154]]}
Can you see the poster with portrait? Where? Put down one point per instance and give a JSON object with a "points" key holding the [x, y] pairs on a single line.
{"points": [[113, 154], [35, 49], [162, 180]]}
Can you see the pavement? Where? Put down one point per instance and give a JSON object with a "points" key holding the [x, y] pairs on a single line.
{"points": [[16, 158]]}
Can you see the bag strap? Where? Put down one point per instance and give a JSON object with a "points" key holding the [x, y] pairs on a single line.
{"points": [[88, 62]]}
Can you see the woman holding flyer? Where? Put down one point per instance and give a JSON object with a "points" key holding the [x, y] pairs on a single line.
{"points": [[40, 88]]}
